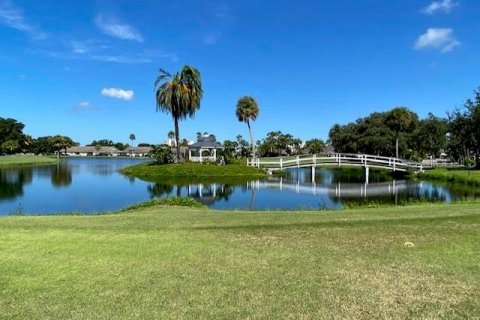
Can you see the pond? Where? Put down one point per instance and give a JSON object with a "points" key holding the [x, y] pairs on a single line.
{"points": [[92, 185]]}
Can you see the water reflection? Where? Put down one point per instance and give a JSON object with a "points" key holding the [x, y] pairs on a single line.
{"points": [[61, 176], [12, 182]]}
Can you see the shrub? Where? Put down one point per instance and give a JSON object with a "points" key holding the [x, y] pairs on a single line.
{"points": [[162, 154]]}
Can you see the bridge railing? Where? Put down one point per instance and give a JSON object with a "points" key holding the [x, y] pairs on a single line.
{"points": [[336, 159]]}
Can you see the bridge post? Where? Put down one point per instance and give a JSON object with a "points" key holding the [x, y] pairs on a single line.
{"points": [[281, 164], [367, 174], [298, 161], [258, 163], [339, 160], [313, 174]]}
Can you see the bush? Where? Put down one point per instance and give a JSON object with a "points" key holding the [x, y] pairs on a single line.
{"points": [[162, 154]]}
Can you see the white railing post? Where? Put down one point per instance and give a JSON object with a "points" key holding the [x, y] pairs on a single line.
{"points": [[315, 160], [258, 162], [298, 161]]}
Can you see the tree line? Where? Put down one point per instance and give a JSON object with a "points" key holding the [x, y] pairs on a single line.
{"points": [[14, 140], [400, 132]]}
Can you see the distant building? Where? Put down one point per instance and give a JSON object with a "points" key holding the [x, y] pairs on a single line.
{"points": [[91, 151], [136, 152]]}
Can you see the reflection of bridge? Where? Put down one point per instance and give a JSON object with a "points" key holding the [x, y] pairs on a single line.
{"points": [[353, 190], [339, 159]]}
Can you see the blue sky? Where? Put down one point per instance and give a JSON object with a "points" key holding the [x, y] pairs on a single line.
{"points": [[86, 68]]}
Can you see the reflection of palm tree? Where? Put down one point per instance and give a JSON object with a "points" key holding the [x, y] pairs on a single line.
{"points": [[252, 198], [157, 190], [61, 176]]}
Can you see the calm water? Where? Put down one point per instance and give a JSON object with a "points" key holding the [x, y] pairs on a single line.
{"points": [[95, 185]]}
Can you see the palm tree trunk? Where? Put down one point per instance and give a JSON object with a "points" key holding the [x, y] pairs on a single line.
{"points": [[251, 139], [177, 138]]}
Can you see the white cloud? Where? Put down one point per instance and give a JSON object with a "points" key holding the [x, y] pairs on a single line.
{"points": [[13, 17], [118, 93], [117, 29], [442, 39], [440, 6]]}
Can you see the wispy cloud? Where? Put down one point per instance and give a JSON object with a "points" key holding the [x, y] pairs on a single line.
{"points": [[13, 17], [440, 6], [102, 51], [210, 39], [85, 105], [441, 39], [117, 29], [118, 93]]}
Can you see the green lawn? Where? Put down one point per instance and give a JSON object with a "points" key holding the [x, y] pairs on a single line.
{"points": [[471, 177], [191, 172], [25, 160], [195, 263]]}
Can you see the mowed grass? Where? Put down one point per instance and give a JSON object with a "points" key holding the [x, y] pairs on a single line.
{"points": [[471, 177], [191, 171], [195, 263], [25, 160]]}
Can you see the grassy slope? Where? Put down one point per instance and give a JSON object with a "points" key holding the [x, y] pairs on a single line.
{"points": [[25, 160], [471, 177], [185, 263], [191, 171]]}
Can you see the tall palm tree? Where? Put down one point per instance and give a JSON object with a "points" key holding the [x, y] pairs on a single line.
{"points": [[132, 137], [180, 95], [247, 110]]}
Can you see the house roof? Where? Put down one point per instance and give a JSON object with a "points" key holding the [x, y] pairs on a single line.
{"points": [[137, 150], [91, 149], [206, 143]]}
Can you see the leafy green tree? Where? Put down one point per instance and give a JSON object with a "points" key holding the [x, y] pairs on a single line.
{"points": [[314, 146], [401, 120], [162, 154], [10, 146], [247, 110], [430, 137], [179, 95], [11, 129]]}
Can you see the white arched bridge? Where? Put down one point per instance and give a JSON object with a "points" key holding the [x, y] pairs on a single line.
{"points": [[343, 159]]}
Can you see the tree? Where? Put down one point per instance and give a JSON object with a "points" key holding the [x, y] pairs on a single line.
{"points": [[431, 136], [132, 137], [10, 146], [315, 146], [179, 95], [61, 142], [247, 110], [11, 129], [400, 120]]}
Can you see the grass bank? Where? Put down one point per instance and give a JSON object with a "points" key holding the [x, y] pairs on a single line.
{"points": [[6, 161], [195, 263], [191, 172], [469, 177]]}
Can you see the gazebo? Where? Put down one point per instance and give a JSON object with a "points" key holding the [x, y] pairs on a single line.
{"points": [[205, 149]]}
